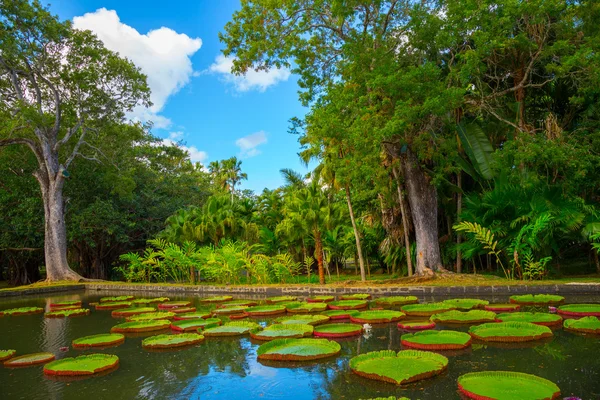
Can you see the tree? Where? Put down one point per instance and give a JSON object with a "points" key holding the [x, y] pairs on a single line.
{"points": [[59, 86], [232, 171]]}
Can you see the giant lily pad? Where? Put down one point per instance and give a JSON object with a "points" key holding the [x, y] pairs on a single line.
{"points": [[230, 310], [29, 359], [144, 302], [502, 307], [6, 354], [192, 315], [396, 301], [585, 324], [401, 368], [337, 330], [188, 325], [63, 304], [340, 314], [21, 311], [182, 310], [128, 312], [436, 340], [241, 302], [235, 328], [533, 317], [141, 326], [174, 304], [536, 299], [505, 385], [298, 349], [426, 310], [170, 341], [347, 305], [67, 313], [216, 299], [377, 316], [88, 364], [151, 316], [416, 325], [356, 296], [259, 311], [580, 310], [466, 304], [302, 319], [283, 331], [510, 332], [464, 317], [280, 299], [101, 340], [116, 299], [320, 299], [113, 305], [305, 308]]}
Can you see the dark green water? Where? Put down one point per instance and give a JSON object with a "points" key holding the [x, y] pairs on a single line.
{"points": [[226, 368]]}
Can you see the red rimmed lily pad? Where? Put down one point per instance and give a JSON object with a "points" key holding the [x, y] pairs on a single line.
{"points": [[398, 368], [584, 325], [29, 359], [235, 328], [426, 310], [116, 299], [100, 340], [302, 319], [466, 304], [337, 330], [464, 317], [259, 311], [131, 311], [356, 296], [154, 300], [298, 349], [6, 354], [506, 385], [396, 301], [182, 310], [113, 305], [89, 364], [79, 312], [13, 312], [320, 299], [65, 304], [340, 314], [216, 299], [190, 325], [580, 310], [347, 305], [153, 316], [502, 307], [280, 299], [510, 332], [141, 326], [306, 308], [172, 341], [192, 315], [282, 331], [416, 325], [377, 316], [174, 304], [537, 299], [436, 340], [235, 303], [533, 317], [230, 310]]}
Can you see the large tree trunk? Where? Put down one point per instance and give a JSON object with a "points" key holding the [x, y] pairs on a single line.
{"points": [[404, 222], [422, 197], [319, 255], [361, 261]]}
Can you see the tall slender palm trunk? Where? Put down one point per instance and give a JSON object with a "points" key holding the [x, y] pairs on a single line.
{"points": [[361, 261], [319, 256]]}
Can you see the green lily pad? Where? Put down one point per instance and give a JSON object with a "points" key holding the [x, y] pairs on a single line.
{"points": [[502, 307], [416, 325], [510, 332], [580, 310], [234, 328], [320, 299], [194, 324], [192, 315], [536, 299], [174, 304], [249, 303], [533, 317], [396, 301], [151, 316], [401, 368], [114, 299], [258, 311], [505, 385], [337, 330], [88, 364], [280, 299], [29, 359], [302, 319], [113, 305], [356, 296], [230, 310], [70, 303], [13, 312], [130, 311], [298, 349], [426, 310], [347, 305], [6, 354], [340, 314], [141, 326], [305, 308], [377, 316], [436, 340], [67, 313], [151, 301], [464, 317], [466, 304], [170, 341], [101, 340], [216, 299], [283, 331], [585, 324]]}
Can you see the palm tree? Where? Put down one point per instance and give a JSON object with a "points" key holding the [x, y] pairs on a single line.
{"points": [[232, 170], [217, 171]]}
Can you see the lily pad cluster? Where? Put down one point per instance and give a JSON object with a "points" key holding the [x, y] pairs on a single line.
{"points": [[338, 330], [298, 349], [13, 312], [398, 368], [510, 332], [377, 316], [78, 312], [396, 301], [464, 317], [283, 331], [537, 299], [83, 365], [234, 328], [100, 340], [506, 385], [171, 341], [436, 340]]}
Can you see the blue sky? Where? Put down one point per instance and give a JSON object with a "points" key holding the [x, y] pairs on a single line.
{"points": [[196, 100]]}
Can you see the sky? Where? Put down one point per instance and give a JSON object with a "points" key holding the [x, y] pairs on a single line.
{"points": [[196, 98]]}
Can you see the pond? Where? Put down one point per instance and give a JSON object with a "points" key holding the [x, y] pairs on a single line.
{"points": [[227, 368]]}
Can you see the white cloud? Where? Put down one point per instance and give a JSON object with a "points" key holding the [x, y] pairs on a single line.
{"points": [[248, 144], [162, 54], [175, 135], [259, 80], [195, 154]]}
